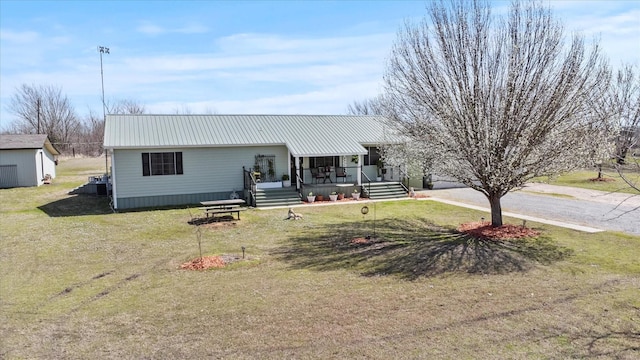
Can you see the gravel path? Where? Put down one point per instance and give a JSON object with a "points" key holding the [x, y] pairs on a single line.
{"points": [[610, 211]]}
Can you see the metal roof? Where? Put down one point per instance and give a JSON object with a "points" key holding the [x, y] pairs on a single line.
{"points": [[27, 141], [304, 135]]}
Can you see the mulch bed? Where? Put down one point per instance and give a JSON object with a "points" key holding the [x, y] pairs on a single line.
{"points": [[360, 240], [602, 179], [328, 201], [486, 231], [210, 262]]}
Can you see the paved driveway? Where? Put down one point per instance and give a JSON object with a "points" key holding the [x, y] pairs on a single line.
{"points": [[610, 211]]}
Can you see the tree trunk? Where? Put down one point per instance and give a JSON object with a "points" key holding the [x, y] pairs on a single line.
{"points": [[622, 154], [599, 171], [496, 210]]}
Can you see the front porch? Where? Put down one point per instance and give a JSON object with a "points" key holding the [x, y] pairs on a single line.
{"points": [[326, 189], [266, 181]]}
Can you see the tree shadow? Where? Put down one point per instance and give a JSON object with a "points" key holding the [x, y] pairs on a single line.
{"points": [[211, 220], [413, 248], [78, 205]]}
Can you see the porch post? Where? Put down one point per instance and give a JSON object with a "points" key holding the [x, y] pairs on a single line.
{"points": [[359, 170], [297, 164]]}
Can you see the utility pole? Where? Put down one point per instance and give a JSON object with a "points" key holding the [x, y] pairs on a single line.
{"points": [[38, 115], [104, 50]]}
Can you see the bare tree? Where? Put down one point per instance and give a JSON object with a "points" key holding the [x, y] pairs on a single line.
{"points": [[185, 109], [43, 110], [623, 101], [373, 106], [91, 135], [499, 100], [414, 158], [126, 106]]}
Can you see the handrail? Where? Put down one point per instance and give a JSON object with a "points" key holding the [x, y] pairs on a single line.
{"points": [[366, 190], [250, 185], [406, 176], [301, 188]]}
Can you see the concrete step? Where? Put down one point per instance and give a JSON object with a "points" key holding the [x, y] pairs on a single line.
{"points": [[386, 190], [277, 197]]}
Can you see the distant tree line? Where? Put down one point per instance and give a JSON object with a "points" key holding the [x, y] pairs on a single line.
{"points": [[44, 109]]}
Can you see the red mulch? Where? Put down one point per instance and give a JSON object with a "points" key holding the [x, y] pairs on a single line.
{"points": [[210, 262], [360, 240], [603, 179], [206, 262], [327, 200], [486, 231]]}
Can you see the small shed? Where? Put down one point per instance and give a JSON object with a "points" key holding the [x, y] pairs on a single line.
{"points": [[26, 160]]}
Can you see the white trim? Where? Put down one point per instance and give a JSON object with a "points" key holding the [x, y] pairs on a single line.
{"points": [[359, 170], [113, 180]]}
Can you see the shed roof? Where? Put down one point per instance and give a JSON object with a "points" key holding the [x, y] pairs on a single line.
{"points": [[27, 141], [304, 135]]}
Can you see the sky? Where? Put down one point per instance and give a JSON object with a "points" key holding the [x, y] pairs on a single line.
{"points": [[236, 57]]}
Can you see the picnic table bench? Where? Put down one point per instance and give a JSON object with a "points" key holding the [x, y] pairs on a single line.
{"points": [[230, 207]]}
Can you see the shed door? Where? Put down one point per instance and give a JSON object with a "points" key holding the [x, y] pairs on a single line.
{"points": [[8, 176]]}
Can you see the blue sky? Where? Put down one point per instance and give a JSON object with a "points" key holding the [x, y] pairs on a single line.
{"points": [[258, 57]]}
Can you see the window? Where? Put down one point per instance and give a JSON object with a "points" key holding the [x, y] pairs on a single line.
{"points": [[167, 163], [323, 161], [372, 156]]}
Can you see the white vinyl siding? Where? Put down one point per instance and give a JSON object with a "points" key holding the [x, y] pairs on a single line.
{"points": [[27, 165], [205, 170], [49, 165]]}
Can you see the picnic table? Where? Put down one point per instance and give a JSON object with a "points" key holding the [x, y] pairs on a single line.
{"points": [[229, 206]]}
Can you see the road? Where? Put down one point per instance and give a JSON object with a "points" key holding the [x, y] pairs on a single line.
{"points": [[609, 211]]}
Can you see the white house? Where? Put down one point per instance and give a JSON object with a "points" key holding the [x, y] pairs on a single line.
{"points": [[26, 160], [159, 160]]}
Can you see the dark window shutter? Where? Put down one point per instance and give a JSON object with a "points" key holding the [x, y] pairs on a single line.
{"points": [[146, 169], [179, 163]]}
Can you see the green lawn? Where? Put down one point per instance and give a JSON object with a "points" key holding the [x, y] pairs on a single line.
{"points": [[584, 179], [79, 281]]}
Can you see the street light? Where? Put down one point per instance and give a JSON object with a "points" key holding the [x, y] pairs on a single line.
{"points": [[104, 50]]}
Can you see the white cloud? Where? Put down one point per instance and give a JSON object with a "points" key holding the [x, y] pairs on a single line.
{"points": [[328, 100], [20, 37], [149, 28]]}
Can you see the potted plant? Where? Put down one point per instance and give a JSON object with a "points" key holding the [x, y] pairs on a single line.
{"points": [[320, 197], [271, 171], [256, 173], [340, 195], [286, 180], [311, 198], [333, 196], [355, 194]]}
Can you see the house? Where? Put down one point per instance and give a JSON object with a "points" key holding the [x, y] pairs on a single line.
{"points": [[161, 160], [26, 160]]}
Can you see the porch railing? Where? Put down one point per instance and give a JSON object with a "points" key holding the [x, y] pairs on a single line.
{"points": [[249, 186], [301, 187], [404, 176], [365, 189]]}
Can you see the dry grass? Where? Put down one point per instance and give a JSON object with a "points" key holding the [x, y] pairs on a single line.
{"points": [[78, 281]]}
